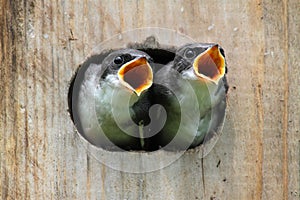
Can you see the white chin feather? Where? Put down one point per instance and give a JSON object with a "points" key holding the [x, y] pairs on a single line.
{"points": [[114, 80], [189, 74]]}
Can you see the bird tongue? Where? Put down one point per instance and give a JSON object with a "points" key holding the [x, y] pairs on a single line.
{"points": [[210, 64], [137, 75]]}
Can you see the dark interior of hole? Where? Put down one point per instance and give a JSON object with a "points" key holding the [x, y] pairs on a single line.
{"points": [[160, 56]]}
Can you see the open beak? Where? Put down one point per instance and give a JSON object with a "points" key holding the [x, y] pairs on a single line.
{"points": [[136, 75], [210, 64]]}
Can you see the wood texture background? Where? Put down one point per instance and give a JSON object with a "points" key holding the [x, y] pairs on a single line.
{"points": [[42, 43]]}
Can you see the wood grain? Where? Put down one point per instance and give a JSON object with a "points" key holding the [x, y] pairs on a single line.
{"points": [[42, 44]]}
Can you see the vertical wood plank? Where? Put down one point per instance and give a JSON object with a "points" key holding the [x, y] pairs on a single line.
{"points": [[276, 100], [293, 131]]}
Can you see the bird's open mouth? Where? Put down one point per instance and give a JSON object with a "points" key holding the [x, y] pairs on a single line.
{"points": [[137, 75], [210, 64]]}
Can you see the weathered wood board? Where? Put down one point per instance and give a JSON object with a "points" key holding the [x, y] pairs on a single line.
{"points": [[258, 154]]}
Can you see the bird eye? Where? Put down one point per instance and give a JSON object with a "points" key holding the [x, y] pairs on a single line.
{"points": [[118, 60], [189, 53]]}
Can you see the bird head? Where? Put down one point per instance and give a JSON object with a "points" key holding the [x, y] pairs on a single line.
{"points": [[132, 69], [206, 61]]}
